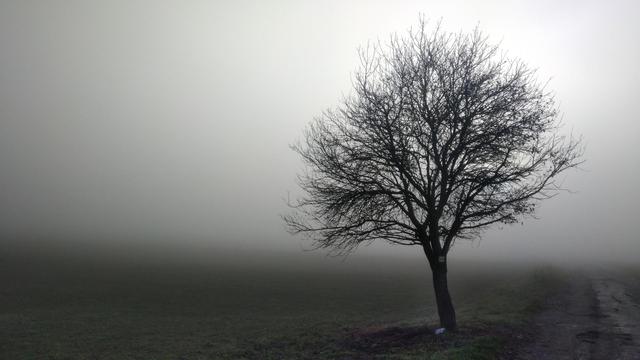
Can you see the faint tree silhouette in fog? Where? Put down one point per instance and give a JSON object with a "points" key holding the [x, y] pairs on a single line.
{"points": [[442, 137]]}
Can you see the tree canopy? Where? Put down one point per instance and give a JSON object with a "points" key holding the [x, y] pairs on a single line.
{"points": [[443, 136]]}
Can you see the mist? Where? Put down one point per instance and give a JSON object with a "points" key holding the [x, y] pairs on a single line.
{"points": [[162, 129]]}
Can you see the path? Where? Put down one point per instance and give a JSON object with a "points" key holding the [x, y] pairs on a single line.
{"points": [[595, 318]]}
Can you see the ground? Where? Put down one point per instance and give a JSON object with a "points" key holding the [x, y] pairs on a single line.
{"points": [[88, 310], [596, 315]]}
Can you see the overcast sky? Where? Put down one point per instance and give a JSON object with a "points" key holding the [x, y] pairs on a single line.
{"points": [[171, 120]]}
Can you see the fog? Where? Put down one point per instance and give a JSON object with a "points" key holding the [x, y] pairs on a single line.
{"points": [[164, 127]]}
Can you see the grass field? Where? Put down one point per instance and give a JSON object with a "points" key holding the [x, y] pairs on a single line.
{"points": [[51, 310]]}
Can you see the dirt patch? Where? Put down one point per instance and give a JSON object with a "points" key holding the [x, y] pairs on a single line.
{"points": [[379, 339], [376, 340]]}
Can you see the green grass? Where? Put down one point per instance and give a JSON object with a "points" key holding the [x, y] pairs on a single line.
{"points": [[127, 312], [511, 300]]}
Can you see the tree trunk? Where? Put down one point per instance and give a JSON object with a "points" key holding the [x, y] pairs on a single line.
{"points": [[446, 311]]}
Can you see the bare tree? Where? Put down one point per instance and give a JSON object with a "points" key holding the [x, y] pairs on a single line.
{"points": [[442, 137]]}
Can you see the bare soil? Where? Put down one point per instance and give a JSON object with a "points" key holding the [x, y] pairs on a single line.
{"points": [[595, 316]]}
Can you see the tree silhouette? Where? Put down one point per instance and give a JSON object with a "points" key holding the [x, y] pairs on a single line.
{"points": [[442, 137]]}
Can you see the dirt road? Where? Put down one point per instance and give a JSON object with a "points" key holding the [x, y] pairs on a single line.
{"points": [[597, 316]]}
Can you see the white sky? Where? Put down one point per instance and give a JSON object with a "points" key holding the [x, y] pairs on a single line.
{"points": [[171, 119]]}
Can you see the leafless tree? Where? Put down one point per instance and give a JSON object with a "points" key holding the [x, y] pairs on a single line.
{"points": [[443, 136]]}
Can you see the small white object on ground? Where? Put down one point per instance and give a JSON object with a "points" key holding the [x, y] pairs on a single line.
{"points": [[439, 331]]}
